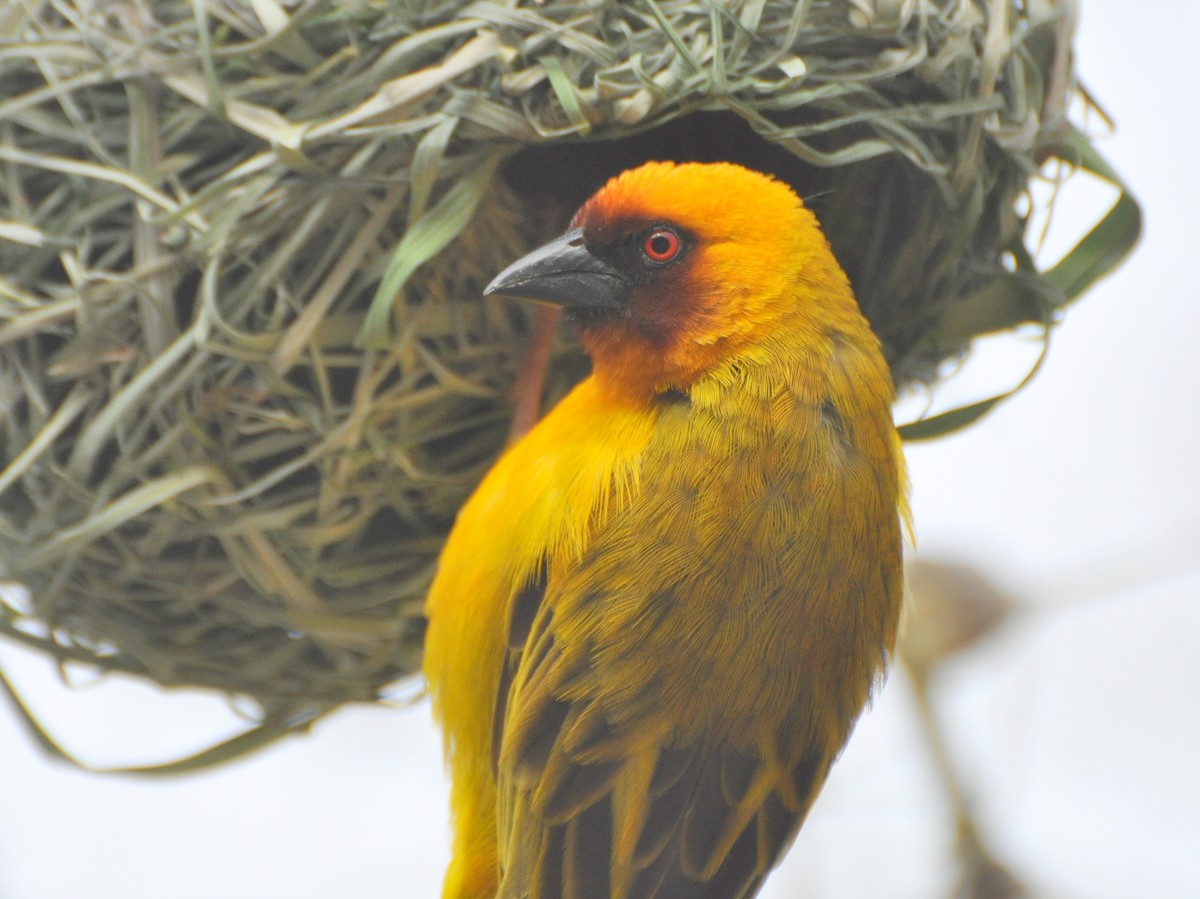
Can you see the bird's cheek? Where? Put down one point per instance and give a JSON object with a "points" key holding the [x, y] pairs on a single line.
{"points": [[645, 318], [678, 304]]}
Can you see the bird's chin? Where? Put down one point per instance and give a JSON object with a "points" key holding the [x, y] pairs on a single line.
{"points": [[590, 317]]}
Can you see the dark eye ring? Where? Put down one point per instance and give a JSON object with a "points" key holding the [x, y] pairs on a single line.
{"points": [[661, 245]]}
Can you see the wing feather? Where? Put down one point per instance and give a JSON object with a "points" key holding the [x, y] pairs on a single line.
{"points": [[597, 810], [521, 614]]}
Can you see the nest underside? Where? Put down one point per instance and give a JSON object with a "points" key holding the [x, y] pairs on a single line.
{"points": [[247, 378]]}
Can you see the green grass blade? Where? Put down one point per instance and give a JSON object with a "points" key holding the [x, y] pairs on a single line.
{"points": [[947, 422], [34, 728], [564, 89], [428, 237], [1112, 239], [237, 747]]}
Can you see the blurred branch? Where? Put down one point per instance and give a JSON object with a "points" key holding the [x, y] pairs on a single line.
{"points": [[953, 607]]}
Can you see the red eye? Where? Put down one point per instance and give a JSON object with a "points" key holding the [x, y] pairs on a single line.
{"points": [[661, 245]]}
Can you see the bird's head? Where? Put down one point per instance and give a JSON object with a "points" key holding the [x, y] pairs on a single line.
{"points": [[672, 269]]}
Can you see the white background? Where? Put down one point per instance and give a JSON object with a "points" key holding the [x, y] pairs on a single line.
{"points": [[1077, 727]]}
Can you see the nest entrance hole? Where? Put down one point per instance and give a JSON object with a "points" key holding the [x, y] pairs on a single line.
{"points": [[556, 178]]}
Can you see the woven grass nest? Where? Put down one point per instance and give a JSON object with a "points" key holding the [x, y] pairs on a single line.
{"points": [[246, 376]]}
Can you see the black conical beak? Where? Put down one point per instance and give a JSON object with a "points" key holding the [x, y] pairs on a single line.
{"points": [[563, 273]]}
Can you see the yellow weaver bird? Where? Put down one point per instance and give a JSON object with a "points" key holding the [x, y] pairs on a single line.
{"points": [[656, 620]]}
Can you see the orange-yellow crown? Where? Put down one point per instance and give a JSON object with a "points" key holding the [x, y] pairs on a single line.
{"points": [[753, 255]]}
